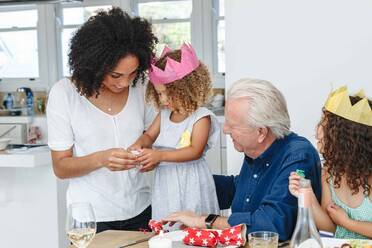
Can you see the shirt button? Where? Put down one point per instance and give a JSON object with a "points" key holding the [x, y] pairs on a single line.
{"points": [[267, 165], [255, 176], [247, 200]]}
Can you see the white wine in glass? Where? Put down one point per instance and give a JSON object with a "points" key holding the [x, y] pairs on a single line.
{"points": [[80, 224]]}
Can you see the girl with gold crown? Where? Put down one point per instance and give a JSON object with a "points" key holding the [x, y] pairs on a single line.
{"points": [[344, 137], [176, 142]]}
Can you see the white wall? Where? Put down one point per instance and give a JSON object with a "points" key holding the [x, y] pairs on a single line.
{"points": [[302, 47]]}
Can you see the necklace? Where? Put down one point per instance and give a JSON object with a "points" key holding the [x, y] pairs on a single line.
{"points": [[109, 109], [108, 102], [112, 99]]}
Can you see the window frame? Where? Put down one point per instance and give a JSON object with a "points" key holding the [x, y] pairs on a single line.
{"points": [[49, 31], [60, 26], [216, 18], [11, 84], [203, 21], [166, 20]]}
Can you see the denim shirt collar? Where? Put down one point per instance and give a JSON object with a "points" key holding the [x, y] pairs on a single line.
{"points": [[267, 155]]}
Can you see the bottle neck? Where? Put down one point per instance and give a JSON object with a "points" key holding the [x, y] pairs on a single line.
{"points": [[304, 216], [304, 205], [304, 198]]}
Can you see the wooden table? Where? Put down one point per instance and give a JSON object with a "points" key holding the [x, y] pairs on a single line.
{"points": [[114, 239]]}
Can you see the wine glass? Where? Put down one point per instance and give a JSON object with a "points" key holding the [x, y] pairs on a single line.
{"points": [[80, 224]]}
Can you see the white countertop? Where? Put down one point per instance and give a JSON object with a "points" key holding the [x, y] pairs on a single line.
{"points": [[33, 157], [16, 119]]}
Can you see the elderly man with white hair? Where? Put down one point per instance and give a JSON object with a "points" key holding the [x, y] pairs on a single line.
{"points": [[257, 120]]}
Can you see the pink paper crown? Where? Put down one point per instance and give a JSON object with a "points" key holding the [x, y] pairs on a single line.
{"points": [[174, 70]]}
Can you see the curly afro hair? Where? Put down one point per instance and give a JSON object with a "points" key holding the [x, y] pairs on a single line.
{"points": [[188, 93], [99, 44], [347, 150]]}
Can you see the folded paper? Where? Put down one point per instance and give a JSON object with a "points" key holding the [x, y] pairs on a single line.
{"points": [[174, 70], [235, 236], [338, 103], [156, 226]]}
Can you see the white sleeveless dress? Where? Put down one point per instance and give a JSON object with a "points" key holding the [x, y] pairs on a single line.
{"points": [[185, 185]]}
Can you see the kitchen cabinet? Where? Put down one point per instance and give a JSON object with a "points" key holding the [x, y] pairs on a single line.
{"points": [[216, 157], [32, 201]]}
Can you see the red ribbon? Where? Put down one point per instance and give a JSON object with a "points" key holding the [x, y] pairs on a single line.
{"points": [[235, 235]]}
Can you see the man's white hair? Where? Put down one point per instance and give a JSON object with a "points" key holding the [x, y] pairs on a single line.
{"points": [[267, 106]]}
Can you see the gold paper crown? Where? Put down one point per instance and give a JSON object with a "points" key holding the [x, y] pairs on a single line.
{"points": [[338, 103]]}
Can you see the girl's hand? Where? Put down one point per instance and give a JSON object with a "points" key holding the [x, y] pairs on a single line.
{"points": [[337, 214], [149, 159], [187, 218], [135, 147], [117, 159], [294, 183]]}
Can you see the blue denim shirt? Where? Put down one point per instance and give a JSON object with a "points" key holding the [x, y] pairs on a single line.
{"points": [[259, 195]]}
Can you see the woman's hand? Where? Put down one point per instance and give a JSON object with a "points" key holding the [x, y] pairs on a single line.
{"points": [[294, 183], [117, 159], [187, 218], [337, 214], [149, 159]]}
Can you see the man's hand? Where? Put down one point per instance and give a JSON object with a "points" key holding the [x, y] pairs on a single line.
{"points": [[149, 159], [187, 218], [337, 214], [117, 159]]}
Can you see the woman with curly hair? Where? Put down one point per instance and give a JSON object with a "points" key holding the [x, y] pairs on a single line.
{"points": [[180, 135], [98, 112], [346, 205]]}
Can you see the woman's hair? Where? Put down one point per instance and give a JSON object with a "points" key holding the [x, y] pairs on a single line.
{"points": [[347, 150], [267, 106], [102, 41], [187, 93]]}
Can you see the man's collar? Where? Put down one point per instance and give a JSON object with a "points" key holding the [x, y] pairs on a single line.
{"points": [[268, 153]]}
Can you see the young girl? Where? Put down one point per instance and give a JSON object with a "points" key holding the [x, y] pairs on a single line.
{"points": [[180, 135], [344, 137]]}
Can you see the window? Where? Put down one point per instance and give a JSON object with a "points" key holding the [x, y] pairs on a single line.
{"points": [[220, 24], [72, 18], [19, 53], [34, 39], [199, 22], [171, 21]]}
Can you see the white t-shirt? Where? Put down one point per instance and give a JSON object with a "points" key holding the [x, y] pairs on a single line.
{"points": [[75, 122]]}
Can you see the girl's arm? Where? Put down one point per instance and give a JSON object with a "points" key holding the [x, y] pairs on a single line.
{"points": [[148, 138], [340, 217], [361, 227], [150, 158], [322, 219]]}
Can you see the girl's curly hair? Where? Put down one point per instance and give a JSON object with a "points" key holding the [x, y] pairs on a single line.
{"points": [[99, 44], [347, 150], [187, 93]]}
